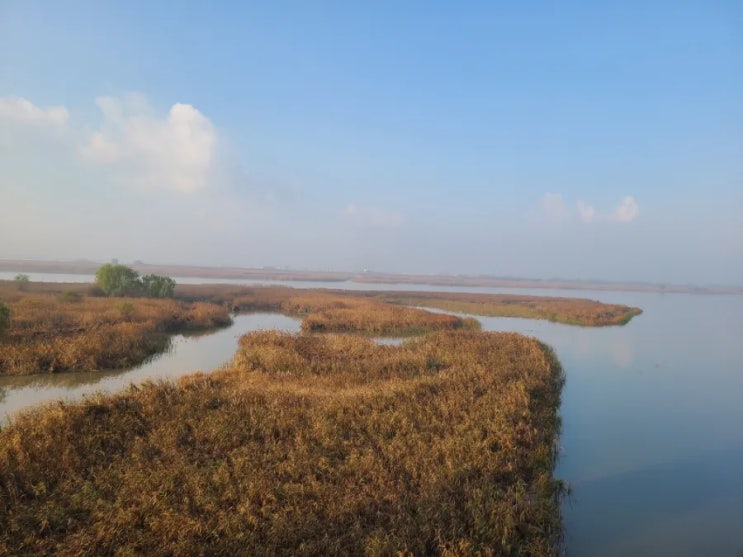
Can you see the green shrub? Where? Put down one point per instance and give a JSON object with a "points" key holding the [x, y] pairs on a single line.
{"points": [[155, 286], [22, 281], [118, 280]]}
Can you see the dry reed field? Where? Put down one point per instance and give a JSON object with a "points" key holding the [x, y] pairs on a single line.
{"points": [[324, 311], [343, 313], [327, 309], [304, 445], [56, 329], [569, 311]]}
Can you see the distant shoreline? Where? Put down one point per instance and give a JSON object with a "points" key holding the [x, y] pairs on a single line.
{"points": [[269, 273]]}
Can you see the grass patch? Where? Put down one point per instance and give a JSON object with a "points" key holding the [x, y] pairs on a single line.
{"points": [[328, 305], [570, 311], [305, 445], [54, 330], [322, 311], [342, 313]]}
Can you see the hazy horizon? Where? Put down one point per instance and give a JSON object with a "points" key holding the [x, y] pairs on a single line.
{"points": [[585, 142]]}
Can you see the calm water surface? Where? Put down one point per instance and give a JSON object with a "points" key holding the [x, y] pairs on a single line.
{"points": [[652, 440], [186, 355]]}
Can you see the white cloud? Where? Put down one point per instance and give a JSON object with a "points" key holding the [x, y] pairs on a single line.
{"points": [[555, 210], [586, 212], [627, 211], [24, 111], [374, 217], [176, 152]]}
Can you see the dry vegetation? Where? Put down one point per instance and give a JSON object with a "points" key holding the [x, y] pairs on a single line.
{"points": [[55, 328], [323, 311], [60, 327], [309, 444], [321, 306], [336, 313], [570, 311]]}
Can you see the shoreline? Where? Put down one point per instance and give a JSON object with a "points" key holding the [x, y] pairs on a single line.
{"points": [[340, 277]]}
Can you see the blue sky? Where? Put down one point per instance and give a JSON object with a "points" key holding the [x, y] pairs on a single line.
{"points": [[575, 139]]}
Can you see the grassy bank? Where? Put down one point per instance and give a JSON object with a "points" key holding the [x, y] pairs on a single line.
{"points": [[56, 329], [315, 445], [323, 311], [343, 313], [327, 310], [570, 311]]}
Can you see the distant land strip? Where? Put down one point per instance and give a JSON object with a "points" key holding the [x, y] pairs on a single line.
{"points": [[87, 267]]}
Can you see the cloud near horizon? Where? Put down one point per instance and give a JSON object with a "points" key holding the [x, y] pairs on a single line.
{"points": [[18, 109], [176, 152], [553, 208], [627, 211]]}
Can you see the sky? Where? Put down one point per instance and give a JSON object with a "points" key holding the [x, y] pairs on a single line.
{"points": [[587, 140]]}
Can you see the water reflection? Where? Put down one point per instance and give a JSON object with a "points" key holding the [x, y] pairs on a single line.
{"points": [[683, 507], [186, 354], [652, 441], [391, 341]]}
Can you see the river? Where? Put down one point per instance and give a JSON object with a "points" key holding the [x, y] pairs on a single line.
{"points": [[652, 440]]}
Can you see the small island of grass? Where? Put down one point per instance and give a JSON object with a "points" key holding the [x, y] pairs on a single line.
{"points": [[569, 311], [305, 445], [52, 328]]}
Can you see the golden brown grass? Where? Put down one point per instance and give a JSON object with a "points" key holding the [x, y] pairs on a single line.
{"points": [[343, 313], [54, 330], [323, 311], [570, 311], [306, 445]]}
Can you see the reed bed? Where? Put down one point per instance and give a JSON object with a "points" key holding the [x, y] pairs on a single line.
{"points": [[53, 331], [570, 311], [343, 313], [304, 445], [323, 311]]}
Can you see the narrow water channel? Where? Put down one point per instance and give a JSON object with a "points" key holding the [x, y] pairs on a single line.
{"points": [[652, 439], [187, 354]]}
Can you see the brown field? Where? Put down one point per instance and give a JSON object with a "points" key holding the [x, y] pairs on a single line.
{"points": [[322, 306], [343, 313], [56, 328], [305, 445], [570, 311], [328, 311]]}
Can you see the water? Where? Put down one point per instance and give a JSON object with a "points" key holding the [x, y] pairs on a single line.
{"points": [[652, 440], [342, 285], [186, 355]]}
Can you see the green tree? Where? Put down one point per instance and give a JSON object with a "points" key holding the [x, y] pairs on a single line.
{"points": [[118, 280], [155, 286], [4, 317], [22, 281]]}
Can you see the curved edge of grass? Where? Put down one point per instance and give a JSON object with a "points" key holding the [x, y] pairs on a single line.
{"points": [[445, 445], [567, 311], [49, 333]]}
